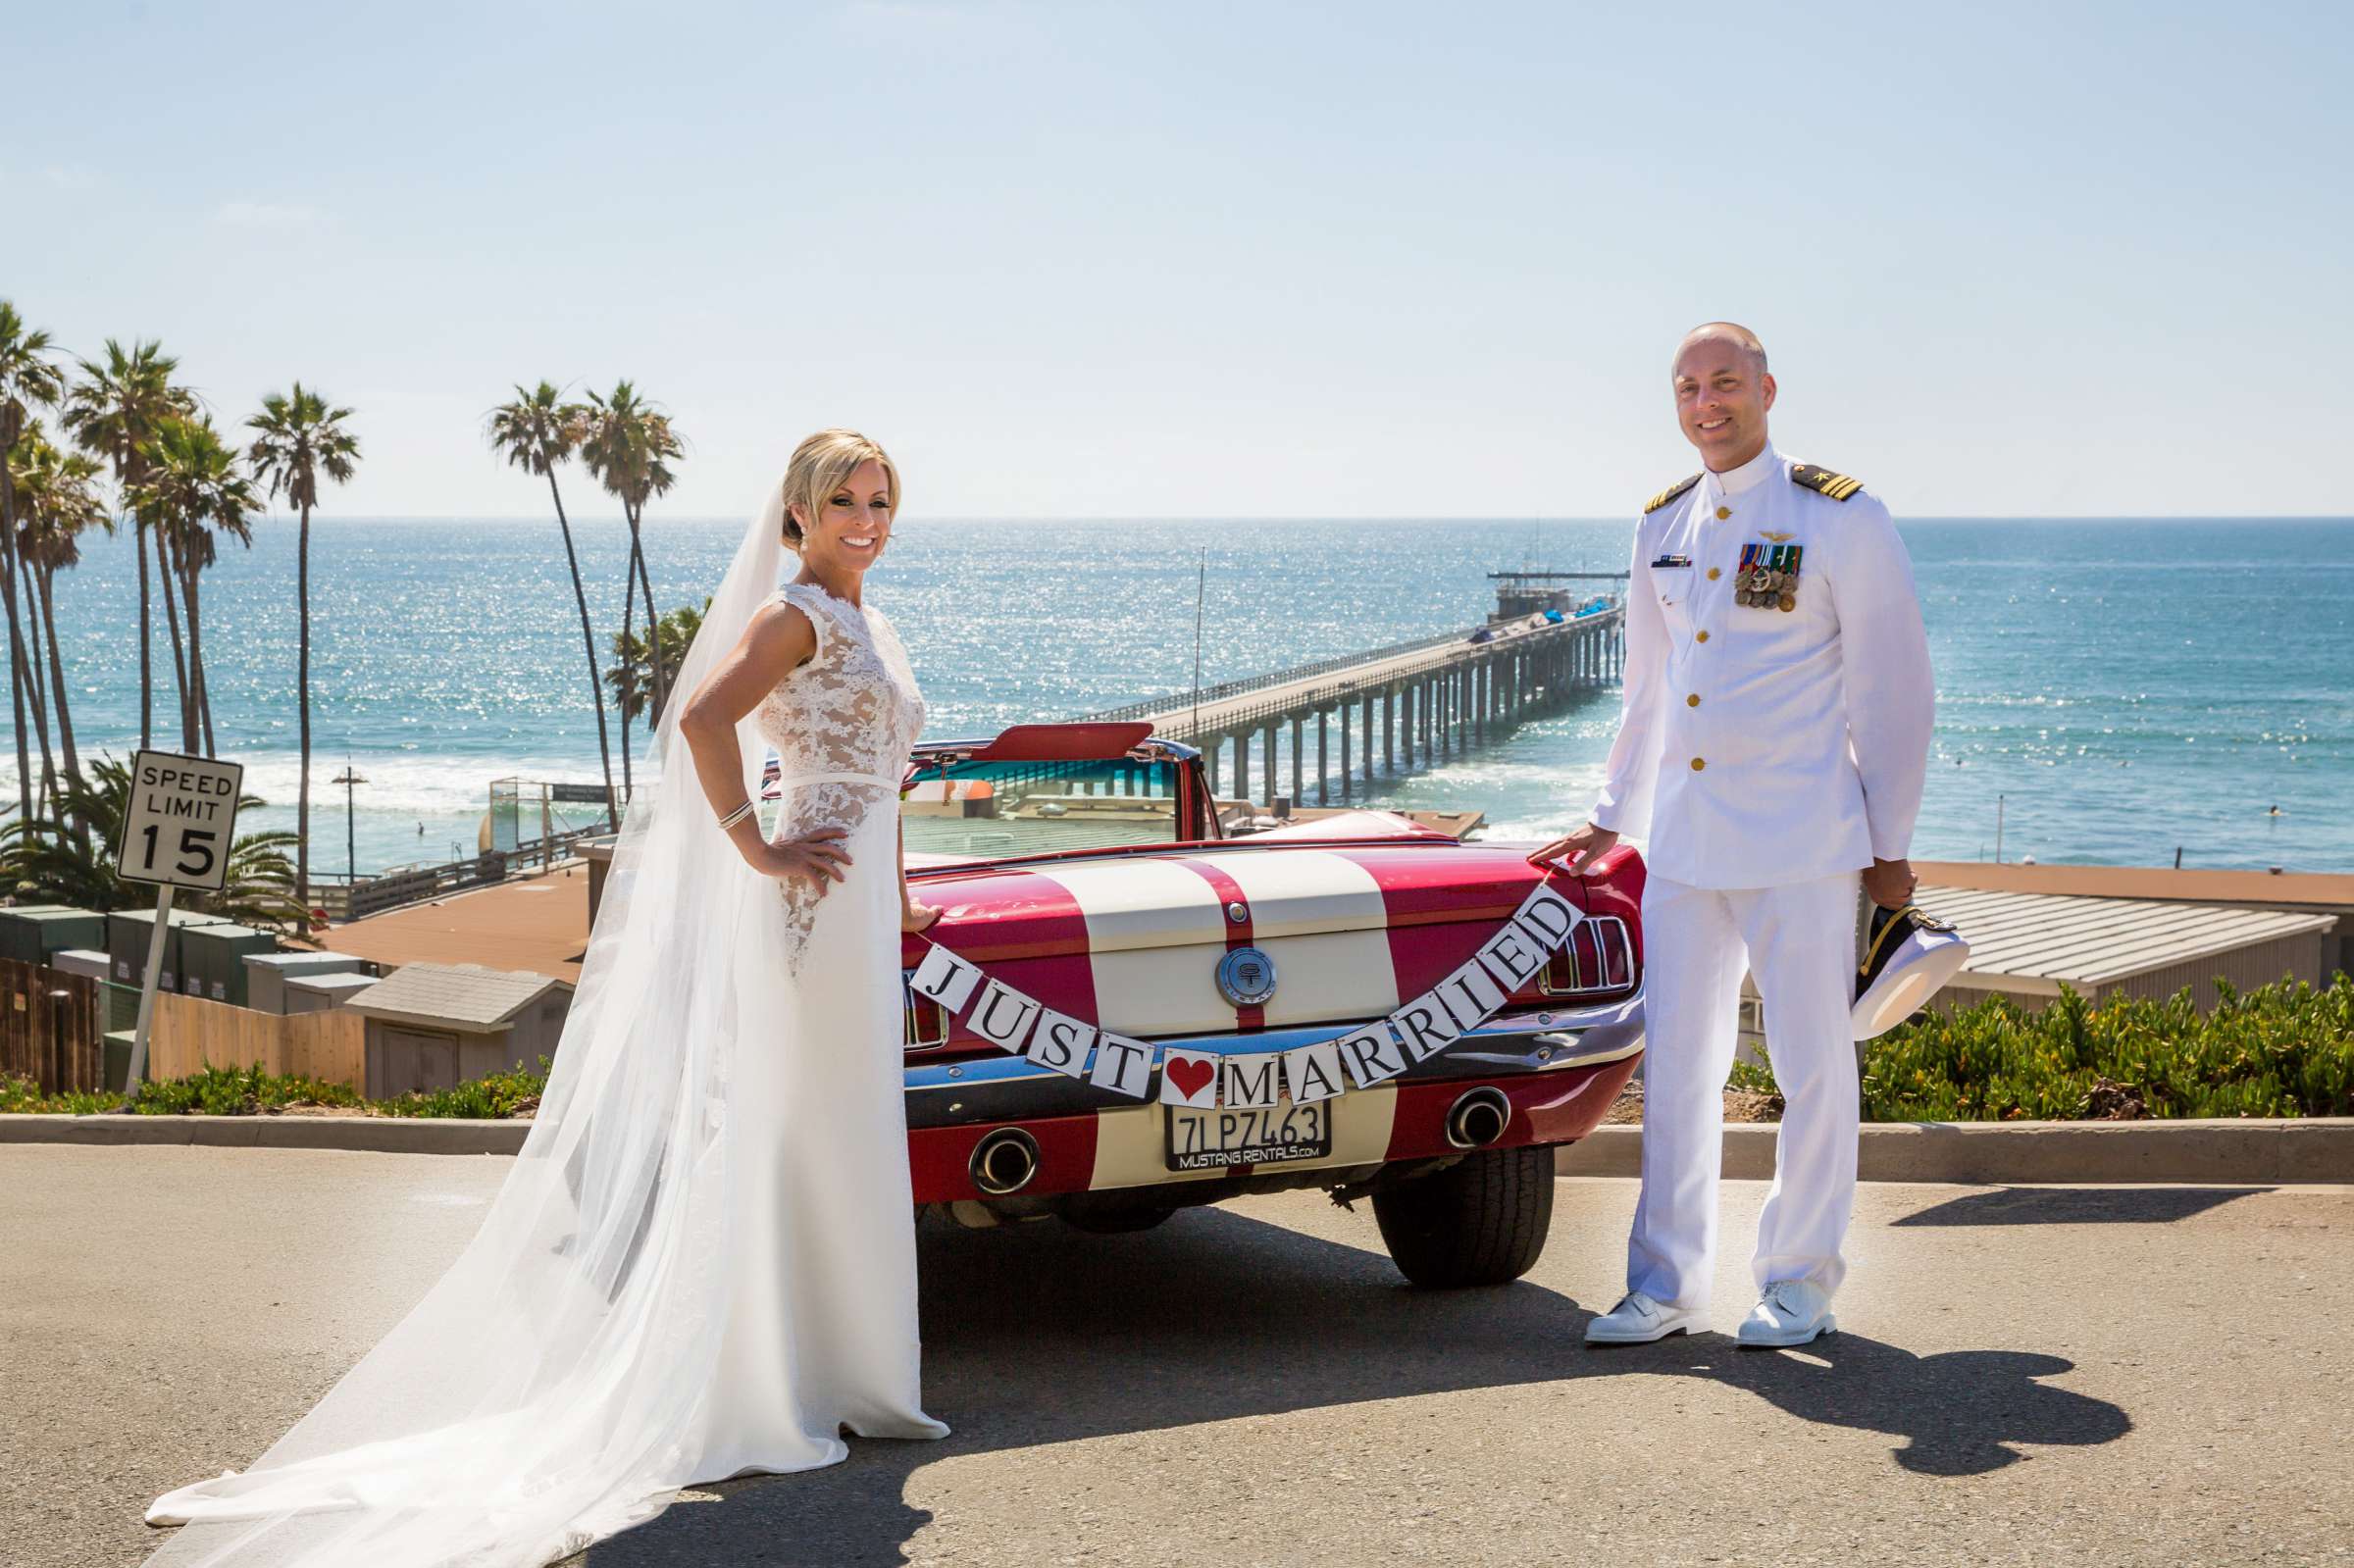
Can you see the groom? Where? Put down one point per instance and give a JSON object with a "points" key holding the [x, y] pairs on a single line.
{"points": [[1772, 744]]}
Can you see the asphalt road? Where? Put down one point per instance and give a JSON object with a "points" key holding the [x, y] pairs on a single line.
{"points": [[2056, 1375]]}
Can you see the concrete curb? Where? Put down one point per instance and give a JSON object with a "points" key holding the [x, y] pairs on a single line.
{"points": [[2318, 1150], [384, 1135], [2233, 1152]]}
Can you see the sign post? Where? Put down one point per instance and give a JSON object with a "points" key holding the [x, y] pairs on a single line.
{"points": [[177, 826]]}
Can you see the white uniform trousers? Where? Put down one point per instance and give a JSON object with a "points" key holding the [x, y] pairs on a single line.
{"points": [[1799, 942]]}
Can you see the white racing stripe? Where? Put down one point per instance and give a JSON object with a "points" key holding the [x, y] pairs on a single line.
{"points": [[1295, 891], [1140, 902], [1156, 929], [1320, 916], [1155, 935]]}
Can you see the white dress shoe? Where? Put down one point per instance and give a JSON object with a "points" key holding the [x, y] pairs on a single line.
{"points": [[1637, 1319], [1791, 1312]]}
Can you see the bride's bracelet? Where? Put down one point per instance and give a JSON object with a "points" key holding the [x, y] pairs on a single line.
{"points": [[733, 817]]}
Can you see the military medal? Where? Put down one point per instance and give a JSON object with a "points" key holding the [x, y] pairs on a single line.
{"points": [[1768, 576]]}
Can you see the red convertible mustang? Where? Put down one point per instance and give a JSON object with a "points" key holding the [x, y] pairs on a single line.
{"points": [[1085, 867]]}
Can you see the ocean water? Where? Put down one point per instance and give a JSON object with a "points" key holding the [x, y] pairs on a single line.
{"points": [[2122, 690]]}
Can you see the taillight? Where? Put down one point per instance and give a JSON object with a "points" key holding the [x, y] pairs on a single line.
{"points": [[1598, 957], [927, 1023]]}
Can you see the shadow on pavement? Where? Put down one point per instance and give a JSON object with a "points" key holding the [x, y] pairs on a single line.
{"points": [[2079, 1205], [1035, 1334]]}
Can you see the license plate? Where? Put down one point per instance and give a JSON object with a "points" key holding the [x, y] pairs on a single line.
{"points": [[1211, 1139]]}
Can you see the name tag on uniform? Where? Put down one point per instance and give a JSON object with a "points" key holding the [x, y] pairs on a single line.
{"points": [[1684, 561]]}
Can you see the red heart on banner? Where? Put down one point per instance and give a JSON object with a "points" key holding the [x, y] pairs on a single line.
{"points": [[1190, 1073]]}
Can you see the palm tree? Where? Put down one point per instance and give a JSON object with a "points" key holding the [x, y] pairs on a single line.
{"points": [[112, 413], [192, 493], [27, 378], [29, 463], [167, 574], [636, 673], [42, 862], [59, 493], [302, 437], [536, 432], [628, 444]]}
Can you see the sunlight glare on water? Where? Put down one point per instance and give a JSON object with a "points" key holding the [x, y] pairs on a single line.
{"points": [[2126, 688]]}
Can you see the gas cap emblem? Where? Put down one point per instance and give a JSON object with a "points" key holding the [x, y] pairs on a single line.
{"points": [[1247, 977]]}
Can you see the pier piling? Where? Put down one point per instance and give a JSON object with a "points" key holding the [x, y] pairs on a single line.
{"points": [[1435, 699]]}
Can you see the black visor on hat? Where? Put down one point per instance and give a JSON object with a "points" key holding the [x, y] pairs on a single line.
{"points": [[1908, 958]]}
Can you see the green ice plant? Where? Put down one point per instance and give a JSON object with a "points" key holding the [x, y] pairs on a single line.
{"points": [[251, 1092], [2283, 1049]]}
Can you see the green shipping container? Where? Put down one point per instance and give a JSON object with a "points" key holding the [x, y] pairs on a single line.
{"points": [[116, 1069], [127, 931], [31, 933], [213, 960]]}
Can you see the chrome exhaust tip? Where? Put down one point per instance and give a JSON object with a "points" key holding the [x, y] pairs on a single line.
{"points": [[1478, 1118], [1004, 1162]]}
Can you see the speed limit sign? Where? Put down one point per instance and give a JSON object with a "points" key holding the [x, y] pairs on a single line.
{"points": [[180, 821], [177, 826]]}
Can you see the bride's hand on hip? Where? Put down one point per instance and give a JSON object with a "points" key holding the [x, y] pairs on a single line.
{"points": [[817, 857]]}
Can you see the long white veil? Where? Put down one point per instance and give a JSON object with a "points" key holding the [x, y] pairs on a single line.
{"points": [[546, 1391]]}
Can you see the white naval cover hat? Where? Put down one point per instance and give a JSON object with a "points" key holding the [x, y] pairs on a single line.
{"points": [[1908, 958]]}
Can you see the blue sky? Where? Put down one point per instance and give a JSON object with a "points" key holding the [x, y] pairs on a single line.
{"points": [[1223, 258]]}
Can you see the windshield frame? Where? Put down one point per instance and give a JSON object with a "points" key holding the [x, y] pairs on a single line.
{"points": [[1195, 819]]}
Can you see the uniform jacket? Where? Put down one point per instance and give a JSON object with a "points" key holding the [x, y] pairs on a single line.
{"points": [[1760, 746]]}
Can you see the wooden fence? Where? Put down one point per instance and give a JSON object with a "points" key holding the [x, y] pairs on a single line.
{"points": [[191, 1033], [52, 1027]]}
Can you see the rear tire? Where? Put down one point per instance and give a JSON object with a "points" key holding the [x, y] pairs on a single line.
{"points": [[1481, 1220]]}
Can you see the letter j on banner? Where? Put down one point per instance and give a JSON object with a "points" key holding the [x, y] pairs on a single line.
{"points": [[946, 978]]}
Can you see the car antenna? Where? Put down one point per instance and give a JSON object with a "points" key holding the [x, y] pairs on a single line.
{"points": [[1201, 592]]}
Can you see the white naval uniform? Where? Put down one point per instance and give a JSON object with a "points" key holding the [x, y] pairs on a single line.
{"points": [[1767, 756]]}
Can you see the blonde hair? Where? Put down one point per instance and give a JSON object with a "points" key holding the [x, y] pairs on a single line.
{"points": [[820, 466]]}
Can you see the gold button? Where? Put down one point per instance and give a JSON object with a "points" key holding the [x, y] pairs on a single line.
{"points": [[1724, 512], [1701, 635], [1692, 701], [1715, 573], [1699, 763]]}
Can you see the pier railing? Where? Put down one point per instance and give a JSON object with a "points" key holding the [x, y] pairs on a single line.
{"points": [[1273, 678], [1434, 697], [345, 900]]}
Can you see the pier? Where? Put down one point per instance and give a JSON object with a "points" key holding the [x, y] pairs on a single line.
{"points": [[1337, 725]]}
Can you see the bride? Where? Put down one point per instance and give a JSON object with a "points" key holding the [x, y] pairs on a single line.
{"points": [[701, 1264]]}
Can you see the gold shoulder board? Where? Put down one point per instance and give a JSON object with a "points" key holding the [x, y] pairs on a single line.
{"points": [[1670, 494], [1838, 487]]}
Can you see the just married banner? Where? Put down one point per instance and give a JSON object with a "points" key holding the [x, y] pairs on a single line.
{"points": [[1370, 1053]]}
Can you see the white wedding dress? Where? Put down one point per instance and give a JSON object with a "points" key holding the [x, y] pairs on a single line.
{"points": [[821, 1325], [701, 1262]]}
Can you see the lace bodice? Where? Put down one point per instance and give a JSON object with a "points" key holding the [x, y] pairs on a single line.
{"points": [[853, 708], [841, 725]]}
